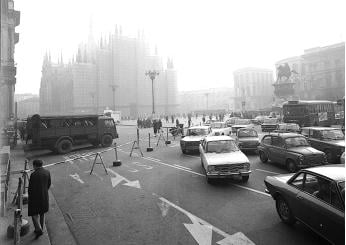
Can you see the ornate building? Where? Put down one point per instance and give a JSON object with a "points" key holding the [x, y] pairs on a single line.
{"points": [[253, 89], [10, 18], [110, 74], [318, 74]]}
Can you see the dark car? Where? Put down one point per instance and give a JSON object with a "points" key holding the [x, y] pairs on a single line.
{"points": [[329, 140], [193, 138], [313, 196], [247, 139], [269, 124], [291, 150]]}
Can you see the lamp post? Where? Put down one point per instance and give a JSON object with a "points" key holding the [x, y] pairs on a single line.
{"points": [[152, 74], [114, 87]]}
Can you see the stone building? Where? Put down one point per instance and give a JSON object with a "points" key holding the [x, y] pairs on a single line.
{"points": [[10, 18], [111, 74], [253, 89], [320, 73]]}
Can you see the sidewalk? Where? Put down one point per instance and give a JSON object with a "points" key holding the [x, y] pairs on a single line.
{"points": [[56, 231]]}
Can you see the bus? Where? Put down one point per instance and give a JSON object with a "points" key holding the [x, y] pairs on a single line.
{"points": [[60, 133], [309, 113]]}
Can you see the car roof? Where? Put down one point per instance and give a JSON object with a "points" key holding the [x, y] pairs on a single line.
{"points": [[284, 135], [333, 171], [320, 128], [199, 127], [217, 138]]}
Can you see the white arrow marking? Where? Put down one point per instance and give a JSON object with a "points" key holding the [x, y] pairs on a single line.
{"points": [[128, 182], [236, 239], [200, 232], [116, 181], [142, 165], [164, 207], [76, 177]]}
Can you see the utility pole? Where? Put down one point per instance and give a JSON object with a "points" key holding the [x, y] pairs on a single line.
{"points": [[152, 74], [114, 87]]}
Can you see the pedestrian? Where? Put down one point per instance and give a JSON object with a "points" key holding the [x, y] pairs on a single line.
{"points": [[172, 118], [38, 201], [155, 127]]}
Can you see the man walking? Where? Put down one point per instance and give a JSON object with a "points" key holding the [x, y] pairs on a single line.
{"points": [[38, 203]]}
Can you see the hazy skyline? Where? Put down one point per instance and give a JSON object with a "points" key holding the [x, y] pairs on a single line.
{"points": [[208, 40]]}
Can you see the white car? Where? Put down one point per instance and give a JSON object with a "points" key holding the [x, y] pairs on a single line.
{"points": [[221, 158], [220, 128], [242, 123]]}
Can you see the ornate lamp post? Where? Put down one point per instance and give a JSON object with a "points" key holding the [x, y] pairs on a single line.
{"points": [[152, 74]]}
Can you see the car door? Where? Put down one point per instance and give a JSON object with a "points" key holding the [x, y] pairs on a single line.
{"points": [[278, 150], [315, 138], [323, 215]]}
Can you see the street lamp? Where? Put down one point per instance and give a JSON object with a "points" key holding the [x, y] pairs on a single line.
{"points": [[152, 74], [114, 87]]}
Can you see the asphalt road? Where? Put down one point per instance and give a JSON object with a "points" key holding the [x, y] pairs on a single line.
{"points": [[164, 198]]}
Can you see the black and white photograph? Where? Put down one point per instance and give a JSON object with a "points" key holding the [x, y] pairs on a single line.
{"points": [[156, 122]]}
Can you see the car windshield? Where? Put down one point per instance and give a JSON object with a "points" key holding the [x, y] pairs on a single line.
{"points": [[296, 141], [217, 125], [197, 131], [289, 127], [270, 120], [242, 121], [221, 146], [334, 134], [341, 186], [247, 133]]}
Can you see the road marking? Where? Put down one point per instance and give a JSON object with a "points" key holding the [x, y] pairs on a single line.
{"points": [[262, 170], [201, 233], [133, 170], [182, 166], [76, 177], [93, 173], [196, 232], [142, 165], [119, 178], [154, 159], [164, 207]]}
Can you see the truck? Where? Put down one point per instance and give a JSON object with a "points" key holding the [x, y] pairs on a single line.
{"points": [[60, 133]]}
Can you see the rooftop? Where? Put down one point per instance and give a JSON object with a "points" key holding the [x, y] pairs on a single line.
{"points": [[335, 171]]}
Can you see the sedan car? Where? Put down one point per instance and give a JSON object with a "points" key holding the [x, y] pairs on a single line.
{"points": [[329, 140], [291, 150], [242, 123], [269, 124], [221, 158], [313, 196], [193, 138], [288, 127], [220, 128], [247, 139]]}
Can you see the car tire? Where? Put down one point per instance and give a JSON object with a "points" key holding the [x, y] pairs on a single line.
{"points": [[64, 146], [291, 166], [329, 155], [245, 179], [284, 211], [106, 140], [263, 156]]}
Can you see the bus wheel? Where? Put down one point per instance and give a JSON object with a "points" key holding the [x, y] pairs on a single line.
{"points": [[106, 140], [64, 146]]}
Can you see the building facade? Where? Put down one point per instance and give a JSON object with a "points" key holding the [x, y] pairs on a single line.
{"points": [[253, 89], [208, 100], [320, 73], [10, 18], [110, 75]]}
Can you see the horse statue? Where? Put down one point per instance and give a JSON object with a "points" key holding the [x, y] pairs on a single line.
{"points": [[284, 70]]}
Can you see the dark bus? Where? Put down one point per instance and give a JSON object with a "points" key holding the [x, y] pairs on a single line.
{"points": [[61, 133], [309, 113]]}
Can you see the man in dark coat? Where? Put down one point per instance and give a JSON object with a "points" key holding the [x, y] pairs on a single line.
{"points": [[38, 203]]}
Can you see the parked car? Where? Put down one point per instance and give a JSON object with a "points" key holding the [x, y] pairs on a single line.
{"points": [[329, 140], [269, 124], [221, 158], [209, 122], [193, 138], [313, 196], [231, 121], [288, 127], [220, 128], [247, 139], [241, 123], [342, 158], [291, 150]]}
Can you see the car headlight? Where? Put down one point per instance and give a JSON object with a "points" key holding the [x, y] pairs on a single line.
{"points": [[301, 158], [211, 168], [247, 166]]}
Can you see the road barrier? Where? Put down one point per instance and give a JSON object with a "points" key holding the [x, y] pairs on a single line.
{"points": [[149, 148]]}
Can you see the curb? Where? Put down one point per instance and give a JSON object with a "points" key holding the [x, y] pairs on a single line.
{"points": [[58, 230]]}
